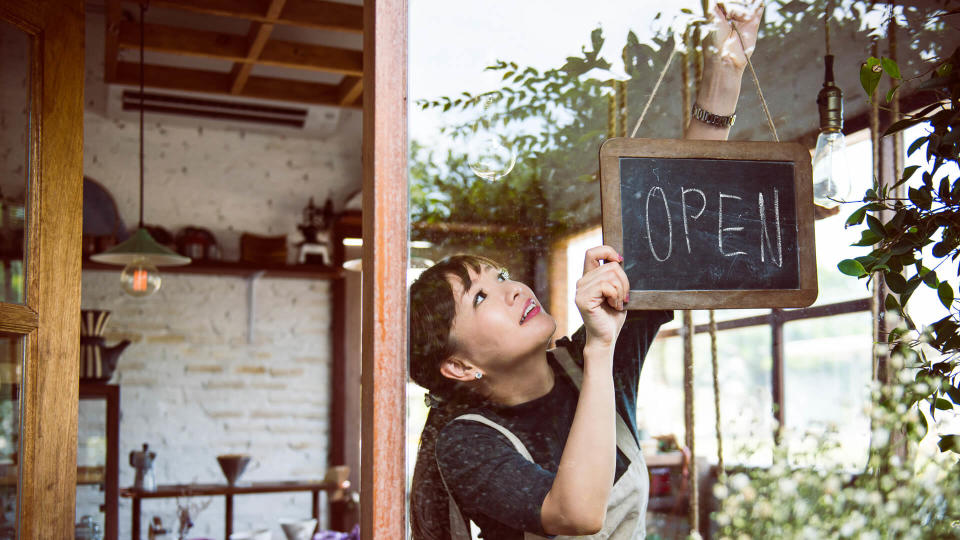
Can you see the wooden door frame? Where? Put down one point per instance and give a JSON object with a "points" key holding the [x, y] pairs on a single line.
{"points": [[49, 323], [385, 233]]}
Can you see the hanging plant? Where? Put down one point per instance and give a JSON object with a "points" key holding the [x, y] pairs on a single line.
{"points": [[921, 234]]}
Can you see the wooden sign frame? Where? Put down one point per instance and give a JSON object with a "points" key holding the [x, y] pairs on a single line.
{"points": [[613, 149]]}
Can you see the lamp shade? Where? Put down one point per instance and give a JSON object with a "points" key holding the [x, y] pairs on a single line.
{"points": [[141, 246]]}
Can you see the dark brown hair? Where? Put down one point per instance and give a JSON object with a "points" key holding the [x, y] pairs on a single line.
{"points": [[432, 310]]}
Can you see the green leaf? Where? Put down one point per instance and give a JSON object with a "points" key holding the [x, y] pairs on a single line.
{"points": [[954, 394], [890, 66], [945, 292], [868, 238], [922, 423], [891, 92], [949, 443], [852, 267], [876, 226], [870, 78], [896, 282], [914, 146], [943, 404], [901, 125], [891, 303], [857, 216], [930, 278], [920, 197]]}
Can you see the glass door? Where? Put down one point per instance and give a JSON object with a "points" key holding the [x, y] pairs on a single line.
{"points": [[41, 144]]}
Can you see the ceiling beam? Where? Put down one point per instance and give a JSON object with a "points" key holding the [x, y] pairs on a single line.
{"points": [[306, 13], [257, 37], [232, 47], [195, 80], [349, 90]]}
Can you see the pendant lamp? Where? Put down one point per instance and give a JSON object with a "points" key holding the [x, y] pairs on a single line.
{"points": [[141, 254], [831, 181]]}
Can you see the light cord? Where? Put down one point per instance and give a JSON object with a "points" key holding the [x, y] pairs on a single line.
{"points": [[143, 9]]}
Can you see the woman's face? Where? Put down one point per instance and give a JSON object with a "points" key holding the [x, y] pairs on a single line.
{"points": [[498, 321]]}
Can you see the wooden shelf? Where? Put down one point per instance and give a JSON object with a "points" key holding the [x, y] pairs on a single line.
{"points": [[238, 269]]}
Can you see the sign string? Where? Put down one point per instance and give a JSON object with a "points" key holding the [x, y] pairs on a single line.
{"points": [[753, 72]]}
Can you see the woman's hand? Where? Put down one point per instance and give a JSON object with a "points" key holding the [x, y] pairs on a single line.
{"points": [[724, 61], [722, 46], [602, 293]]}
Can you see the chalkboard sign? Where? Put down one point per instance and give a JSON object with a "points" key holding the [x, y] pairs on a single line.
{"points": [[710, 224]]}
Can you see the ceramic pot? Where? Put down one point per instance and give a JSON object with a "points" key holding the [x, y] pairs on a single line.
{"points": [[298, 529], [97, 361]]}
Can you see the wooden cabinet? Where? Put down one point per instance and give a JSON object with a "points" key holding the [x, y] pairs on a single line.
{"points": [[98, 454]]}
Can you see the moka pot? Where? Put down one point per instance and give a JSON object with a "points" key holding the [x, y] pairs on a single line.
{"points": [[142, 461]]}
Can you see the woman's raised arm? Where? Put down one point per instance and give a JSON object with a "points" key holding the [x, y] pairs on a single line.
{"points": [[723, 65]]}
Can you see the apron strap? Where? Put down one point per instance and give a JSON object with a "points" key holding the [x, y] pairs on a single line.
{"points": [[458, 525], [625, 439]]}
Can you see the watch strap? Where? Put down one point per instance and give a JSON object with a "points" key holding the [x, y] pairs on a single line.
{"points": [[716, 120]]}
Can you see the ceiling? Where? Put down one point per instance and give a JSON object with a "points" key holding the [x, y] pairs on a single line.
{"points": [[302, 51]]}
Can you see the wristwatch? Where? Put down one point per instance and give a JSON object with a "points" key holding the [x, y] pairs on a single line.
{"points": [[712, 119]]}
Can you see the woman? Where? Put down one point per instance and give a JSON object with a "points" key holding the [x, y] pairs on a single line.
{"points": [[526, 442]]}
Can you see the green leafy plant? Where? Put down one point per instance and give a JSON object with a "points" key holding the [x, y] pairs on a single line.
{"points": [[919, 233]]}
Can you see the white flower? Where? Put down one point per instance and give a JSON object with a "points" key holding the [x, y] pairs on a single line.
{"points": [[801, 508], [788, 485], [739, 481], [874, 499], [694, 535], [855, 523], [749, 494], [763, 509], [869, 535], [831, 485], [720, 491], [881, 436], [921, 388]]}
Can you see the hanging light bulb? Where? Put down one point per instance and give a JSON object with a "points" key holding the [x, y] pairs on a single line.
{"points": [[140, 254], [487, 157], [831, 182], [140, 278]]}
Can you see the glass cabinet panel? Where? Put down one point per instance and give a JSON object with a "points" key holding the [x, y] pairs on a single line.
{"points": [[14, 159], [11, 362]]}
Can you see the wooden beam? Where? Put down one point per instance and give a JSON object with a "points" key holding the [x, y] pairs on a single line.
{"points": [[235, 48], [349, 90], [305, 13], [111, 49], [314, 57], [184, 41], [196, 80], [257, 37], [385, 234]]}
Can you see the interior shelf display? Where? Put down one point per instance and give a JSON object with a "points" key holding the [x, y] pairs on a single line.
{"points": [[242, 269]]}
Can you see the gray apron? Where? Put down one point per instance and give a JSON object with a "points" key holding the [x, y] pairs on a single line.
{"points": [[627, 504]]}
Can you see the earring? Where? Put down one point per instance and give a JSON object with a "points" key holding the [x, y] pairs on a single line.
{"points": [[478, 375]]}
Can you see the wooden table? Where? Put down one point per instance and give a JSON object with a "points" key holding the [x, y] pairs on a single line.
{"points": [[210, 490]]}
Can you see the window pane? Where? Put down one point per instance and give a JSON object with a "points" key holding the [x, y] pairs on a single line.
{"points": [[745, 394], [14, 159], [827, 370]]}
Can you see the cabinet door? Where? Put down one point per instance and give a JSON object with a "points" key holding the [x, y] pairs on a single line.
{"points": [[41, 108]]}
